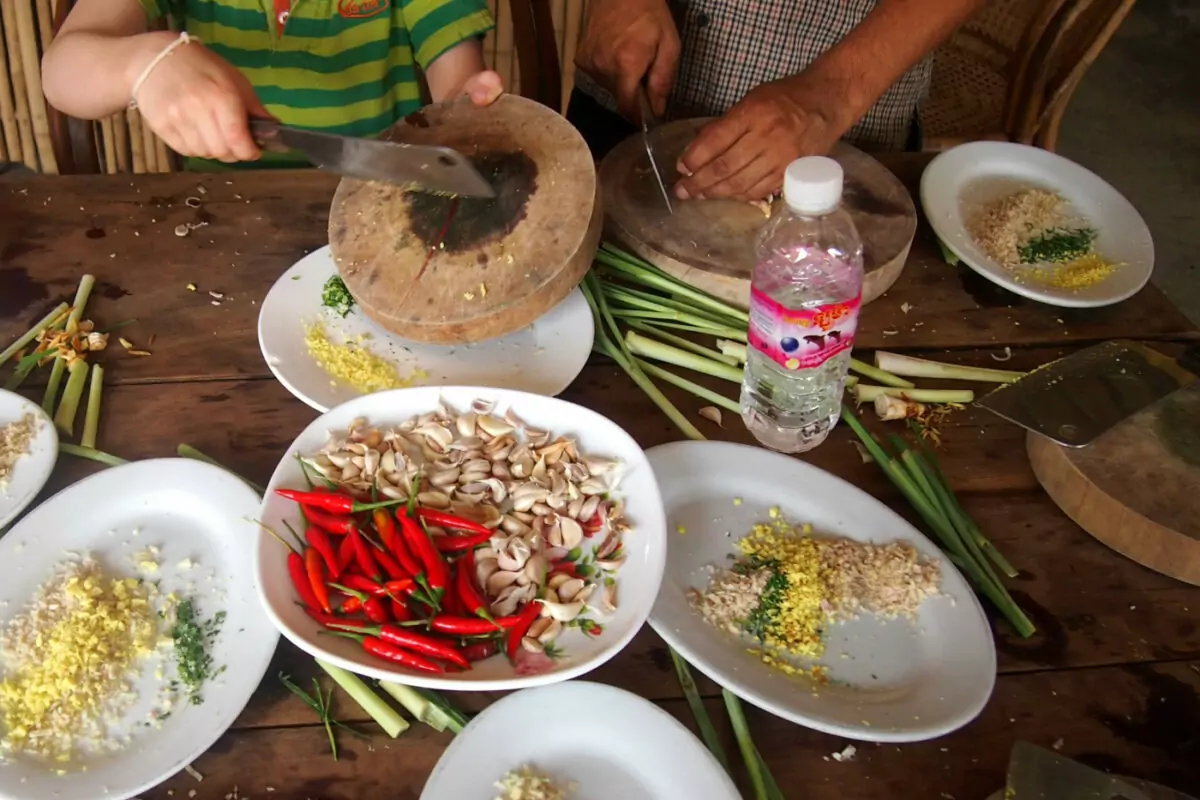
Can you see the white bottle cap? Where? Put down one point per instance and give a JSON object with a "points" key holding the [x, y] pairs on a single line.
{"points": [[813, 185]]}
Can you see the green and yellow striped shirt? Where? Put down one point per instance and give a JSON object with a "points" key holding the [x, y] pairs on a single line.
{"points": [[339, 66]]}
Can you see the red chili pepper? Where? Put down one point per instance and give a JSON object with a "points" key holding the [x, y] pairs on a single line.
{"points": [[330, 523], [299, 575], [393, 570], [362, 554], [442, 519], [333, 619], [345, 554], [566, 568], [357, 583], [316, 577], [517, 632], [320, 542], [410, 640], [329, 501], [389, 652], [437, 573], [465, 584], [470, 626], [396, 544], [454, 544], [400, 610], [375, 611], [452, 603], [480, 650], [353, 605]]}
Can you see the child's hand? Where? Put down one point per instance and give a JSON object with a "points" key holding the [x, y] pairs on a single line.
{"points": [[199, 104], [483, 87]]}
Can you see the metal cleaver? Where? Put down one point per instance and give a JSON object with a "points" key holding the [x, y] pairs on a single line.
{"points": [[1038, 774]]}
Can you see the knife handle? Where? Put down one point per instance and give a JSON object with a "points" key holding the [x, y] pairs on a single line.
{"points": [[266, 135]]}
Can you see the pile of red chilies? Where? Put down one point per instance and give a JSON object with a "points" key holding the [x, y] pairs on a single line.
{"points": [[371, 572]]}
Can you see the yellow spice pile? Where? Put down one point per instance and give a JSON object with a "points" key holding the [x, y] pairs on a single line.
{"points": [[352, 364], [527, 783], [69, 658]]}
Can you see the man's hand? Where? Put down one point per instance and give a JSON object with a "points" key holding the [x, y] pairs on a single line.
{"points": [[484, 88], [625, 41], [744, 154]]}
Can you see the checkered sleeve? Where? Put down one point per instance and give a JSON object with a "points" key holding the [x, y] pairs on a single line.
{"points": [[435, 26]]}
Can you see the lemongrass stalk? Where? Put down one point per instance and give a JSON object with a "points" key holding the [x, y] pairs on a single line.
{"points": [[91, 454], [686, 344], [187, 451], [81, 297], [20, 374], [865, 393], [653, 277], [421, 707], [878, 375], [45, 322], [851, 381], [708, 733], [387, 717], [64, 419], [727, 333], [91, 421], [651, 302], [648, 348], [924, 368], [735, 350], [741, 732], [50, 397], [688, 386]]}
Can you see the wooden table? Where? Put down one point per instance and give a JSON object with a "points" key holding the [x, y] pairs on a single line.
{"points": [[1112, 677]]}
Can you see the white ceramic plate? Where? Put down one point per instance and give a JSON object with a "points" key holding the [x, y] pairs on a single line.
{"points": [[622, 746], [32, 471], [188, 510], [961, 180], [542, 359], [891, 681], [638, 577]]}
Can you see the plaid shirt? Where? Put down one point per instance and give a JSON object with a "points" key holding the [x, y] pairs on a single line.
{"points": [[731, 46]]}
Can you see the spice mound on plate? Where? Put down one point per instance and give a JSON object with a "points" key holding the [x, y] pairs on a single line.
{"points": [[526, 783], [352, 363], [788, 587], [15, 440], [68, 661]]}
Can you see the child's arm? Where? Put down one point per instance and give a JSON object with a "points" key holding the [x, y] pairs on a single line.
{"points": [[460, 70]]}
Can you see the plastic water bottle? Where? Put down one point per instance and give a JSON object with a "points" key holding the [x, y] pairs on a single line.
{"points": [[804, 302]]}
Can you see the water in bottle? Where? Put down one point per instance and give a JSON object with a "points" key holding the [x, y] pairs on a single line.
{"points": [[804, 302]]}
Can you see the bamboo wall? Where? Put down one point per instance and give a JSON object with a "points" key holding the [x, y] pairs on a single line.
{"points": [[123, 144]]}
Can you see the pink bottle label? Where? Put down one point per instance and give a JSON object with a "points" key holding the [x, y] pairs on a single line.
{"points": [[805, 338]]}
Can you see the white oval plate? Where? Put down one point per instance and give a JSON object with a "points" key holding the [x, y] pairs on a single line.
{"points": [[542, 359], [891, 681], [621, 747], [959, 181], [638, 577], [32, 470], [190, 511]]}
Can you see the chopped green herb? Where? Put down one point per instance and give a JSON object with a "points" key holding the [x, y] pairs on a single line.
{"points": [[336, 296], [1057, 245], [766, 615], [319, 703], [192, 639]]}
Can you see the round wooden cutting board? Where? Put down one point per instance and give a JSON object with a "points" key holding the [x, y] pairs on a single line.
{"points": [[710, 243], [445, 270], [1137, 487]]}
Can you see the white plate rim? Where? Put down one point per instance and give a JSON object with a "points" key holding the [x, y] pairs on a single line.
{"points": [[157, 467], [750, 695], [934, 203], [575, 298], [509, 398], [583, 690], [46, 441]]}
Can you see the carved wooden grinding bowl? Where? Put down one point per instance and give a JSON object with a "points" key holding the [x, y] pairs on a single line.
{"points": [[445, 270], [710, 243]]}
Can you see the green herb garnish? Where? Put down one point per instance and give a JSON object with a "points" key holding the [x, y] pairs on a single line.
{"points": [[766, 615], [336, 296], [320, 703], [1057, 245], [192, 639]]}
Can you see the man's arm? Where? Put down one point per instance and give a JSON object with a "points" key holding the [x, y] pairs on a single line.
{"points": [[460, 70], [744, 154]]}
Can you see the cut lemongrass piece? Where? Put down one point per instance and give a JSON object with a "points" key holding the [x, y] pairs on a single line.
{"points": [[851, 380], [923, 368], [688, 386], [732, 349], [684, 344], [64, 419], [388, 718], [51, 396], [648, 348], [421, 707], [652, 276], [867, 394], [91, 454], [878, 375], [81, 297], [31, 334], [91, 421]]}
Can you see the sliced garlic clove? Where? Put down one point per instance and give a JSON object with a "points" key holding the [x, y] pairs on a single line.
{"points": [[439, 500], [562, 612], [550, 632], [609, 596], [567, 590], [493, 425], [499, 580], [532, 645], [572, 532]]}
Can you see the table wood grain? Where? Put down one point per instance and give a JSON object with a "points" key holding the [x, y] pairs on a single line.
{"points": [[1112, 676]]}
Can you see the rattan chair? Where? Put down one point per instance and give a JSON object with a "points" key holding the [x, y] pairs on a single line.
{"points": [[1010, 72]]}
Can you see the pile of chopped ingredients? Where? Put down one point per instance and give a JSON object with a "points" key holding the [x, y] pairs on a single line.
{"points": [[336, 297], [478, 547], [352, 363], [1030, 232], [790, 585], [15, 440], [69, 658], [527, 783], [193, 639]]}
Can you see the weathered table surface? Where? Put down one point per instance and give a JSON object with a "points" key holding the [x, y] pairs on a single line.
{"points": [[1112, 677]]}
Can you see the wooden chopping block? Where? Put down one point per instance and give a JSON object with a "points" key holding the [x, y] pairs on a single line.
{"points": [[710, 243], [448, 270], [1137, 487]]}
